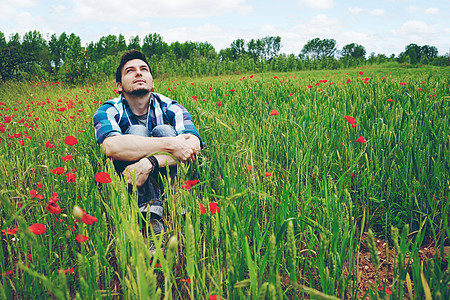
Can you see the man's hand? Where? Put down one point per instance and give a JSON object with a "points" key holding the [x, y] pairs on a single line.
{"points": [[142, 169], [186, 147]]}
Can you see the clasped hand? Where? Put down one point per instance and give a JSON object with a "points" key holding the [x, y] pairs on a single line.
{"points": [[141, 169], [186, 147]]}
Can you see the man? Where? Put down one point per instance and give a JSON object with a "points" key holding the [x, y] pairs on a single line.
{"points": [[139, 123]]}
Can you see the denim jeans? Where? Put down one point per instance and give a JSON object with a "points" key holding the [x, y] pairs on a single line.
{"points": [[151, 192]]}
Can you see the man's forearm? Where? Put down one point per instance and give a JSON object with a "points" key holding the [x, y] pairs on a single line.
{"points": [[132, 147]]}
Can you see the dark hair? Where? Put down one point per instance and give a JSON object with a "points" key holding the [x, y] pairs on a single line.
{"points": [[126, 57]]}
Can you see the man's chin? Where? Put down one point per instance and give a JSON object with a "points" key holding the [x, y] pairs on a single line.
{"points": [[140, 92]]}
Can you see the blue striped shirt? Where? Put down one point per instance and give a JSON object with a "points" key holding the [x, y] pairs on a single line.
{"points": [[115, 116]]}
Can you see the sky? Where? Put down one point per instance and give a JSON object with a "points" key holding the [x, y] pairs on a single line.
{"points": [[381, 27]]}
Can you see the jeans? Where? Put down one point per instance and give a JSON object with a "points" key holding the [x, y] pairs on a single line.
{"points": [[151, 192]]}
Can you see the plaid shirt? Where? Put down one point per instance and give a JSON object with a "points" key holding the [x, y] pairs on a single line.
{"points": [[115, 116]]}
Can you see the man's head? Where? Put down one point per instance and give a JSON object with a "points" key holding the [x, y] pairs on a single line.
{"points": [[134, 75]]}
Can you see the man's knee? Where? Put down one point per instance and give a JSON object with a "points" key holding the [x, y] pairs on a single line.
{"points": [[163, 130], [138, 130]]}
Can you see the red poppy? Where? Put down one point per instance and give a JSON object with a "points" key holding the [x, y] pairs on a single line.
{"points": [[186, 187], [70, 271], [389, 100], [88, 220], [190, 183], [102, 177], [35, 194], [350, 119], [40, 185], [58, 170], [268, 174], [249, 168], [353, 125], [67, 158], [10, 231], [309, 86], [70, 140], [30, 257], [53, 207], [274, 112], [349, 80], [6, 273], [213, 208], [37, 228], [213, 297], [187, 280], [71, 177], [81, 238], [361, 139], [49, 144], [202, 209], [360, 72]]}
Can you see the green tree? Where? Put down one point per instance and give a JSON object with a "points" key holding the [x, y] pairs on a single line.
{"points": [[135, 43], [429, 51], [255, 49], [414, 52], [317, 48], [122, 46], [57, 49], [354, 50], [272, 45], [238, 48], [154, 45], [3, 43], [76, 64]]}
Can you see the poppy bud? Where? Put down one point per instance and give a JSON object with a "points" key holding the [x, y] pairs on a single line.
{"points": [[77, 212]]}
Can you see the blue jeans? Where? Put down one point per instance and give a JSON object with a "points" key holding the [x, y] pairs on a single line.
{"points": [[151, 192]]}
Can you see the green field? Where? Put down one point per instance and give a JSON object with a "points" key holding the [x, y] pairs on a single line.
{"points": [[297, 198]]}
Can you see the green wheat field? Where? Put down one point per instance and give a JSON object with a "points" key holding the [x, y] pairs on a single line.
{"points": [[301, 173]]}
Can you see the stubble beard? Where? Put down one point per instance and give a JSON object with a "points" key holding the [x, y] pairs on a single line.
{"points": [[140, 92]]}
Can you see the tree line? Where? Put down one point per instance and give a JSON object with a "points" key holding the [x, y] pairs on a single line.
{"points": [[64, 58]]}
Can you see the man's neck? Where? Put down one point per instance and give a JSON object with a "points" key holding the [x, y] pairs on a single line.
{"points": [[138, 104]]}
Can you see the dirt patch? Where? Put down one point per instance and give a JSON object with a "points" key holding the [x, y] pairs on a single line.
{"points": [[367, 271]]}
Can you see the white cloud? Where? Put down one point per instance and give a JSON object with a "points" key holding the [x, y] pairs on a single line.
{"points": [[219, 37], [29, 22], [317, 4], [7, 12], [412, 9], [356, 10], [377, 12], [58, 9], [431, 11], [416, 32], [268, 28], [24, 3], [131, 10]]}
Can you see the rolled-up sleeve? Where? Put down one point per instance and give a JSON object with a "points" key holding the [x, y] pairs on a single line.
{"points": [[106, 122], [182, 120]]}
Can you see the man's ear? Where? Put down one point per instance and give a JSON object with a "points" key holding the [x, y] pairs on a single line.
{"points": [[119, 87]]}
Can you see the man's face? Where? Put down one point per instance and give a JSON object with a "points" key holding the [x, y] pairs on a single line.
{"points": [[136, 78]]}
